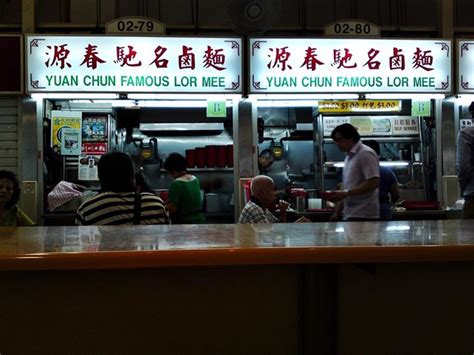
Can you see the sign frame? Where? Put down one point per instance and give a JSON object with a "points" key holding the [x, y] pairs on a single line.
{"points": [[259, 47], [233, 78]]}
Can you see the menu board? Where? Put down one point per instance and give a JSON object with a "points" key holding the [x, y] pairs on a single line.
{"points": [[375, 126]]}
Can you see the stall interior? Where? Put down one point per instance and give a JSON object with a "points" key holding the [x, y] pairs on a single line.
{"points": [[149, 135], [296, 150]]}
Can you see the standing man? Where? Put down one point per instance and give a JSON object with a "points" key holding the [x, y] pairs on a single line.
{"points": [[465, 169], [359, 199]]}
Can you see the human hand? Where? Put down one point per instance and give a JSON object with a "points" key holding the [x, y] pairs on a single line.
{"points": [[336, 196], [283, 205]]}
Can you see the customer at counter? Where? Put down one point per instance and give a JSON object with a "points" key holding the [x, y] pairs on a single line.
{"points": [[184, 194], [118, 203], [359, 198], [10, 214], [465, 169], [389, 193], [263, 202]]}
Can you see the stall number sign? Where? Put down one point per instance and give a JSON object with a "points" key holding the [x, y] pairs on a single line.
{"points": [[311, 65], [132, 24], [133, 64], [352, 28], [421, 108], [216, 109], [339, 106]]}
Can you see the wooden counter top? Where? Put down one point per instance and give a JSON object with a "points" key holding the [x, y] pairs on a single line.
{"points": [[89, 247]]}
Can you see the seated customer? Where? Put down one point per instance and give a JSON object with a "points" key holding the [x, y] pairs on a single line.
{"points": [[184, 194], [116, 202], [10, 213], [263, 202]]}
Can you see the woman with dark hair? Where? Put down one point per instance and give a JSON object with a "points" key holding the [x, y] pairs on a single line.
{"points": [[10, 213], [184, 195]]}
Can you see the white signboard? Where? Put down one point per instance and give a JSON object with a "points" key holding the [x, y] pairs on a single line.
{"points": [[466, 66], [375, 125], [133, 64], [310, 65]]}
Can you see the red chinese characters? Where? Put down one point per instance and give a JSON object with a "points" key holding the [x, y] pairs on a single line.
{"points": [[91, 57], [280, 58], [343, 58], [187, 60], [214, 58], [310, 60], [125, 58], [160, 63], [58, 56]]}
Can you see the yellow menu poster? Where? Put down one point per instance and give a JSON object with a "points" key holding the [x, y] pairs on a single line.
{"points": [[61, 120]]}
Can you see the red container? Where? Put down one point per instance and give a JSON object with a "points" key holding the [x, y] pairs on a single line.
{"points": [[201, 157], [421, 205], [211, 153], [230, 155], [221, 159], [190, 158]]}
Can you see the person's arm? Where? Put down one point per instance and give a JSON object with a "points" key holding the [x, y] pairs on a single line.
{"points": [[463, 159], [394, 193], [283, 207], [173, 198], [337, 215], [363, 188]]}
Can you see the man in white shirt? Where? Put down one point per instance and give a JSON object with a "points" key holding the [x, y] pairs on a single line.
{"points": [[359, 197]]}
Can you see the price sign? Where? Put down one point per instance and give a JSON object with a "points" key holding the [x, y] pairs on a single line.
{"points": [[135, 24], [338, 106], [216, 109], [352, 28], [421, 108]]}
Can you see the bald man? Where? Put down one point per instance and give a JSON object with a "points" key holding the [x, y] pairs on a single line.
{"points": [[263, 202]]}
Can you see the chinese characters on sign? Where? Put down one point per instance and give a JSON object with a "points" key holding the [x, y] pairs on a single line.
{"points": [[375, 125], [355, 65], [138, 64]]}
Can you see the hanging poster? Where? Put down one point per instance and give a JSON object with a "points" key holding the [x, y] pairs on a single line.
{"points": [[70, 141], [88, 167], [61, 120], [94, 128]]}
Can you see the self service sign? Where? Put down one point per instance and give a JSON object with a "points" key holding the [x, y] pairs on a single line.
{"points": [[133, 64], [309, 65]]}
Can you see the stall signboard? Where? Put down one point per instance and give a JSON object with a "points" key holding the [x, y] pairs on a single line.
{"points": [[310, 65], [133, 64], [465, 66], [375, 125]]}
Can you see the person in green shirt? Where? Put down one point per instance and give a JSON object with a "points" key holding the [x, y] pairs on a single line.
{"points": [[184, 194], [10, 213]]}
